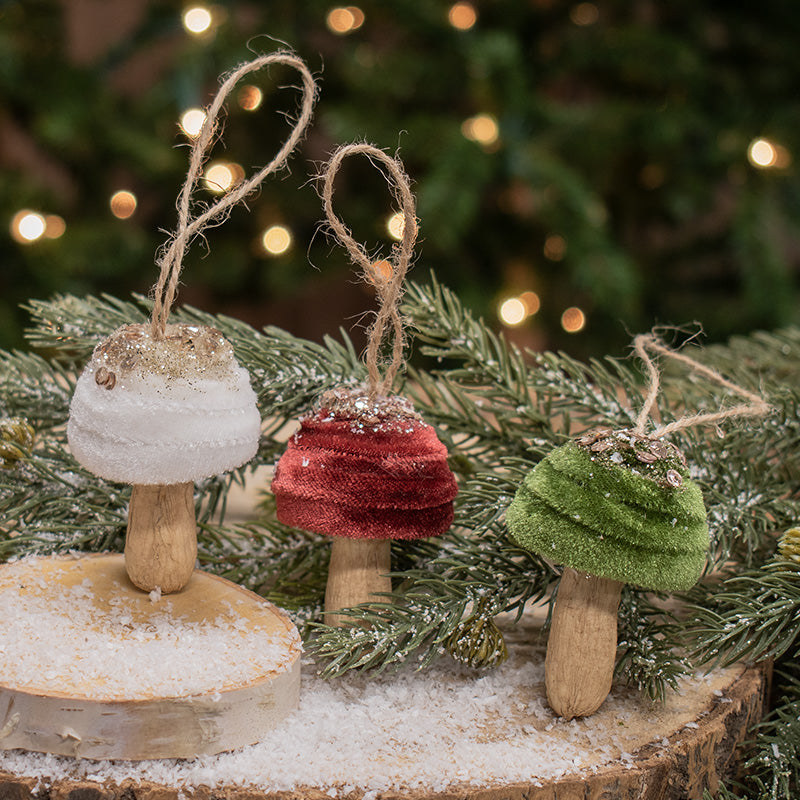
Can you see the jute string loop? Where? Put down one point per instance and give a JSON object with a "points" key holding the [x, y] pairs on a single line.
{"points": [[755, 407], [171, 258], [389, 284]]}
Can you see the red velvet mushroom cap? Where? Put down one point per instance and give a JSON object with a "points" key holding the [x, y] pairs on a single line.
{"points": [[366, 470]]}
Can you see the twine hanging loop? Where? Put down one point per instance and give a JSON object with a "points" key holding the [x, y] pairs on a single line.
{"points": [[388, 282], [171, 256], [755, 406]]}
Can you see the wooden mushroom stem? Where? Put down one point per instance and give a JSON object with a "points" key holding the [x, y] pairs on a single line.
{"points": [[161, 543], [582, 646], [356, 574]]}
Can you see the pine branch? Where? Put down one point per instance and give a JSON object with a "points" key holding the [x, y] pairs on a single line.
{"points": [[285, 565], [49, 503], [288, 373], [494, 401], [726, 793], [520, 395], [775, 767], [761, 355], [70, 326], [499, 410], [87, 513], [38, 390], [430, 603], [755, 614], [746, 498], [648, 646], [385, 634]]}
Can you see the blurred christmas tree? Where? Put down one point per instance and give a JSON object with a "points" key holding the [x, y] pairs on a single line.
{"points": [[611, 164]]}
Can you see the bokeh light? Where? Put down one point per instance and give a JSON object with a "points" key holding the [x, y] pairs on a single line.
{"points": [[512, 312], [396, 225], [555, 247], [358, 16], [531, 302], [123, 204], [761, 153], [384, 268], [221, 176], [481, 128], [584, 14], [276, 239], [27, 226], [191, 121], [344, 20], [462, 16], [250, 97], [197, 20], [573, 320], [766, 154], [54, 226]]}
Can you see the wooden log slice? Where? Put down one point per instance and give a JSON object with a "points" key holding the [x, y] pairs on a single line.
{"points": [[632, 749], [93, 668]]}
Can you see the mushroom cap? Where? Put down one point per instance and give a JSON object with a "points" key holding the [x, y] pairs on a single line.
{"points": [[640, 523], [365, 470], [164, 411]]}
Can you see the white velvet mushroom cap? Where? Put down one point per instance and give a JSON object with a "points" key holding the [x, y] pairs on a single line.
{"points": [[163, 411]]}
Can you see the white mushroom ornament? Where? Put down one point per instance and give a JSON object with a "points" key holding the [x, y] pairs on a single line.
{"points": [[161, 405], [160, 412]]}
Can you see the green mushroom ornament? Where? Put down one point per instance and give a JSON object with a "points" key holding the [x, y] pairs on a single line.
{"points": [[613, 507]]}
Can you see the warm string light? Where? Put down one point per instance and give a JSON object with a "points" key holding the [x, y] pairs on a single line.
{"points": [[250, 97], [396, 226], [482, 128], [29, 226], [573, 320], [197, 20], [123, 204], [555, 247], [584, 14], [384, 267], [191, 122], [531, 302], [462, 16], [276, 240], [221, 176], [513, 311], [344, 19], [766, 154], [54, 226]]}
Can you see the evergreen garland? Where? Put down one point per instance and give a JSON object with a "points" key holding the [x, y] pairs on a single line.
{"points": [[499, 411]]}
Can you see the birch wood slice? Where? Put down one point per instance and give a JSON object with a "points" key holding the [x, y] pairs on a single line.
{"points": [[93, 668], [346, 742]]}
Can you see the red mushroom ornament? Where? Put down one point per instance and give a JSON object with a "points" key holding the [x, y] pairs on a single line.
{"points": [[363, 467], [364, 471]]}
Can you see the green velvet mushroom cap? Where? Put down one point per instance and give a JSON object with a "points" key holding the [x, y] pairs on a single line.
{"points": [[615, 505]]}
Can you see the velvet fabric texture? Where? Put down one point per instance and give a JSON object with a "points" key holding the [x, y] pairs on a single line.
{"points": [[384, 480], [608, 521]]}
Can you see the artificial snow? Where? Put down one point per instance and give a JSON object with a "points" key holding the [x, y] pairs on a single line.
{"points": [[427, 730], [58, 635]]}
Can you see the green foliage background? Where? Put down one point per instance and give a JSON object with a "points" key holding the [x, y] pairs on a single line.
{"points": [[627, 137]]}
